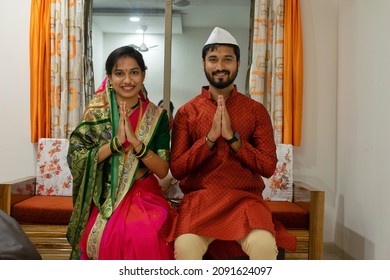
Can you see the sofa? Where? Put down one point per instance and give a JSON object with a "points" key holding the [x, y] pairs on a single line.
{"points": [[43, 208]]}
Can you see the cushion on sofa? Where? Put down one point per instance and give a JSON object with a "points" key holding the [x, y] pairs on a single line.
{"points": [[53, 173], [279, 187], [289, 214], [43, 210]]}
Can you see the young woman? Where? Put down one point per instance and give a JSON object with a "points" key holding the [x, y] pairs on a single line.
{"points": [[114, 154]]}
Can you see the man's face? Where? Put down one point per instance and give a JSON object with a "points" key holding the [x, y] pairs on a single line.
{"points": [[221, 66]]}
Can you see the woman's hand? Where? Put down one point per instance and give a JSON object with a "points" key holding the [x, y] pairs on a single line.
{"points": [[122, 122], [125, 130]]}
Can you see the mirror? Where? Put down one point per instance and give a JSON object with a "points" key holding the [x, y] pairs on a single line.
{"points": [[191, 26]]}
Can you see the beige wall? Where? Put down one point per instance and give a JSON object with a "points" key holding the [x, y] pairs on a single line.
{"points": [[315, 159], [363, 134], [16, 150]]}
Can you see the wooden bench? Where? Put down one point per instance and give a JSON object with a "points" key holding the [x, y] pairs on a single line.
{"points": [[44, 219]]}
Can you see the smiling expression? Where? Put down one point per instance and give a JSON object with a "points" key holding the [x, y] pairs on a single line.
{"points": [[221, 66], [127, 79]]}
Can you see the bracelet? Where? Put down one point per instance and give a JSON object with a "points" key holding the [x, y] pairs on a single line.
{"points": [[118, 144], [207, 139], [114, 143], [111, 147], [147, 157], [140, 143], [145, 152], [140, 150]]}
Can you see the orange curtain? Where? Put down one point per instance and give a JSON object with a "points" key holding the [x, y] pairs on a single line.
{"points": [[292, 73], [40, 69]]}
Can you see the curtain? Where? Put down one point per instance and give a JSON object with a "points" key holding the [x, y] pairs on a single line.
{"points": [[60, 66], [40, 69], [293, 74], [275, 76], [89, 84], [68, 66], [266, 73]]}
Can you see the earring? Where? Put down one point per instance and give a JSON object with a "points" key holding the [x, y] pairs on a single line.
{"points": [[110, 85]]}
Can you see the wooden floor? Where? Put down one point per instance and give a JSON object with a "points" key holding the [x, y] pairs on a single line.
{"points": [[302, 251], [51, 242]]}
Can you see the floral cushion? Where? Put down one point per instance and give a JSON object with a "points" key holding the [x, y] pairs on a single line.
{"points": [[53, 173], [24, 187], [279, 187]]}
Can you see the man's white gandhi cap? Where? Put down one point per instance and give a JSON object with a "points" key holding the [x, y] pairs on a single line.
{"points": [[221, 36]]}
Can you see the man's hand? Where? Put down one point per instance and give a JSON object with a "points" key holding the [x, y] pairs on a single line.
{"points": [[216, 127], [226, 127]]}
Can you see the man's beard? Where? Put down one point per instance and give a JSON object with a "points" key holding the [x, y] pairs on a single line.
{"points": [[221, 84]]}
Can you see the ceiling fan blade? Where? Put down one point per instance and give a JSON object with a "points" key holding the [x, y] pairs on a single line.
{"points": [[181, 3], [134, 46], [143, 47]]}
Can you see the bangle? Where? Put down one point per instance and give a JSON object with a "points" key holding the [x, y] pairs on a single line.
{"points": [[140, 143], [118, 144], [207, 139], [144, 153], [147, 157], [114, 146], [140, 150]]}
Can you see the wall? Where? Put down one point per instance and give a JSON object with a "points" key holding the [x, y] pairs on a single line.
{"points": [[315, 159], [17, 153], [363, 151], [187, 69]]}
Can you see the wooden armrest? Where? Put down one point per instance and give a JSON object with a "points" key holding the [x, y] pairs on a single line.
{"points": [[312, 200], [6, 192]]}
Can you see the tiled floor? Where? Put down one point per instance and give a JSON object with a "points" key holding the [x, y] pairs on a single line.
{"points": [[331, 256], [332, 252]]}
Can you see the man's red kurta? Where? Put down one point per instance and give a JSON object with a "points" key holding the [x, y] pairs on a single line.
{"points": [[223, 189]]}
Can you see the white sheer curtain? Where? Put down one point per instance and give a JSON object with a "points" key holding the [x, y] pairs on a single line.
{"points": [[69, 64], [266, 71]]}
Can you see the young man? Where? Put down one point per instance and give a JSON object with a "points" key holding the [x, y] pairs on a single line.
{"points": [[222, 143]]}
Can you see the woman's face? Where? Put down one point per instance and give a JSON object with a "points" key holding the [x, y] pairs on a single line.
{"points": [[127, 78]]}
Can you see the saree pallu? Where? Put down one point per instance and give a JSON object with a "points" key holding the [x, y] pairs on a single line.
{"points": [[132, 232]]}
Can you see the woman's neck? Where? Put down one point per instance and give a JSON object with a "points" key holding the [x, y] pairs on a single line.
{"points": [[131, 103]]}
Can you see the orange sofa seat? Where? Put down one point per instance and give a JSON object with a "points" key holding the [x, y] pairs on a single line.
{"points": [[58, 209], [37, 209], [289, 214]]}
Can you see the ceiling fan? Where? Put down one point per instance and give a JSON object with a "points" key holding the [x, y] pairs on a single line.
{"points": [[181, 3], [143, 47]]}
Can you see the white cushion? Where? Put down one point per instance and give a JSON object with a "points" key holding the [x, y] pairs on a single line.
{"points": [[53, 173], [279, 187]]}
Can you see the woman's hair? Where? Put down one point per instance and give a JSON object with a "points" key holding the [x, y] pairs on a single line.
{"points": [[125, 51], [171, 108]]}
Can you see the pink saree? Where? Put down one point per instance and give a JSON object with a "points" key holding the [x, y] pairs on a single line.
{"points": [[132, 231]]}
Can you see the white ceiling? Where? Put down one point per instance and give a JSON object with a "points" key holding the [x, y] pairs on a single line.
{"points": [[112, 16]]}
